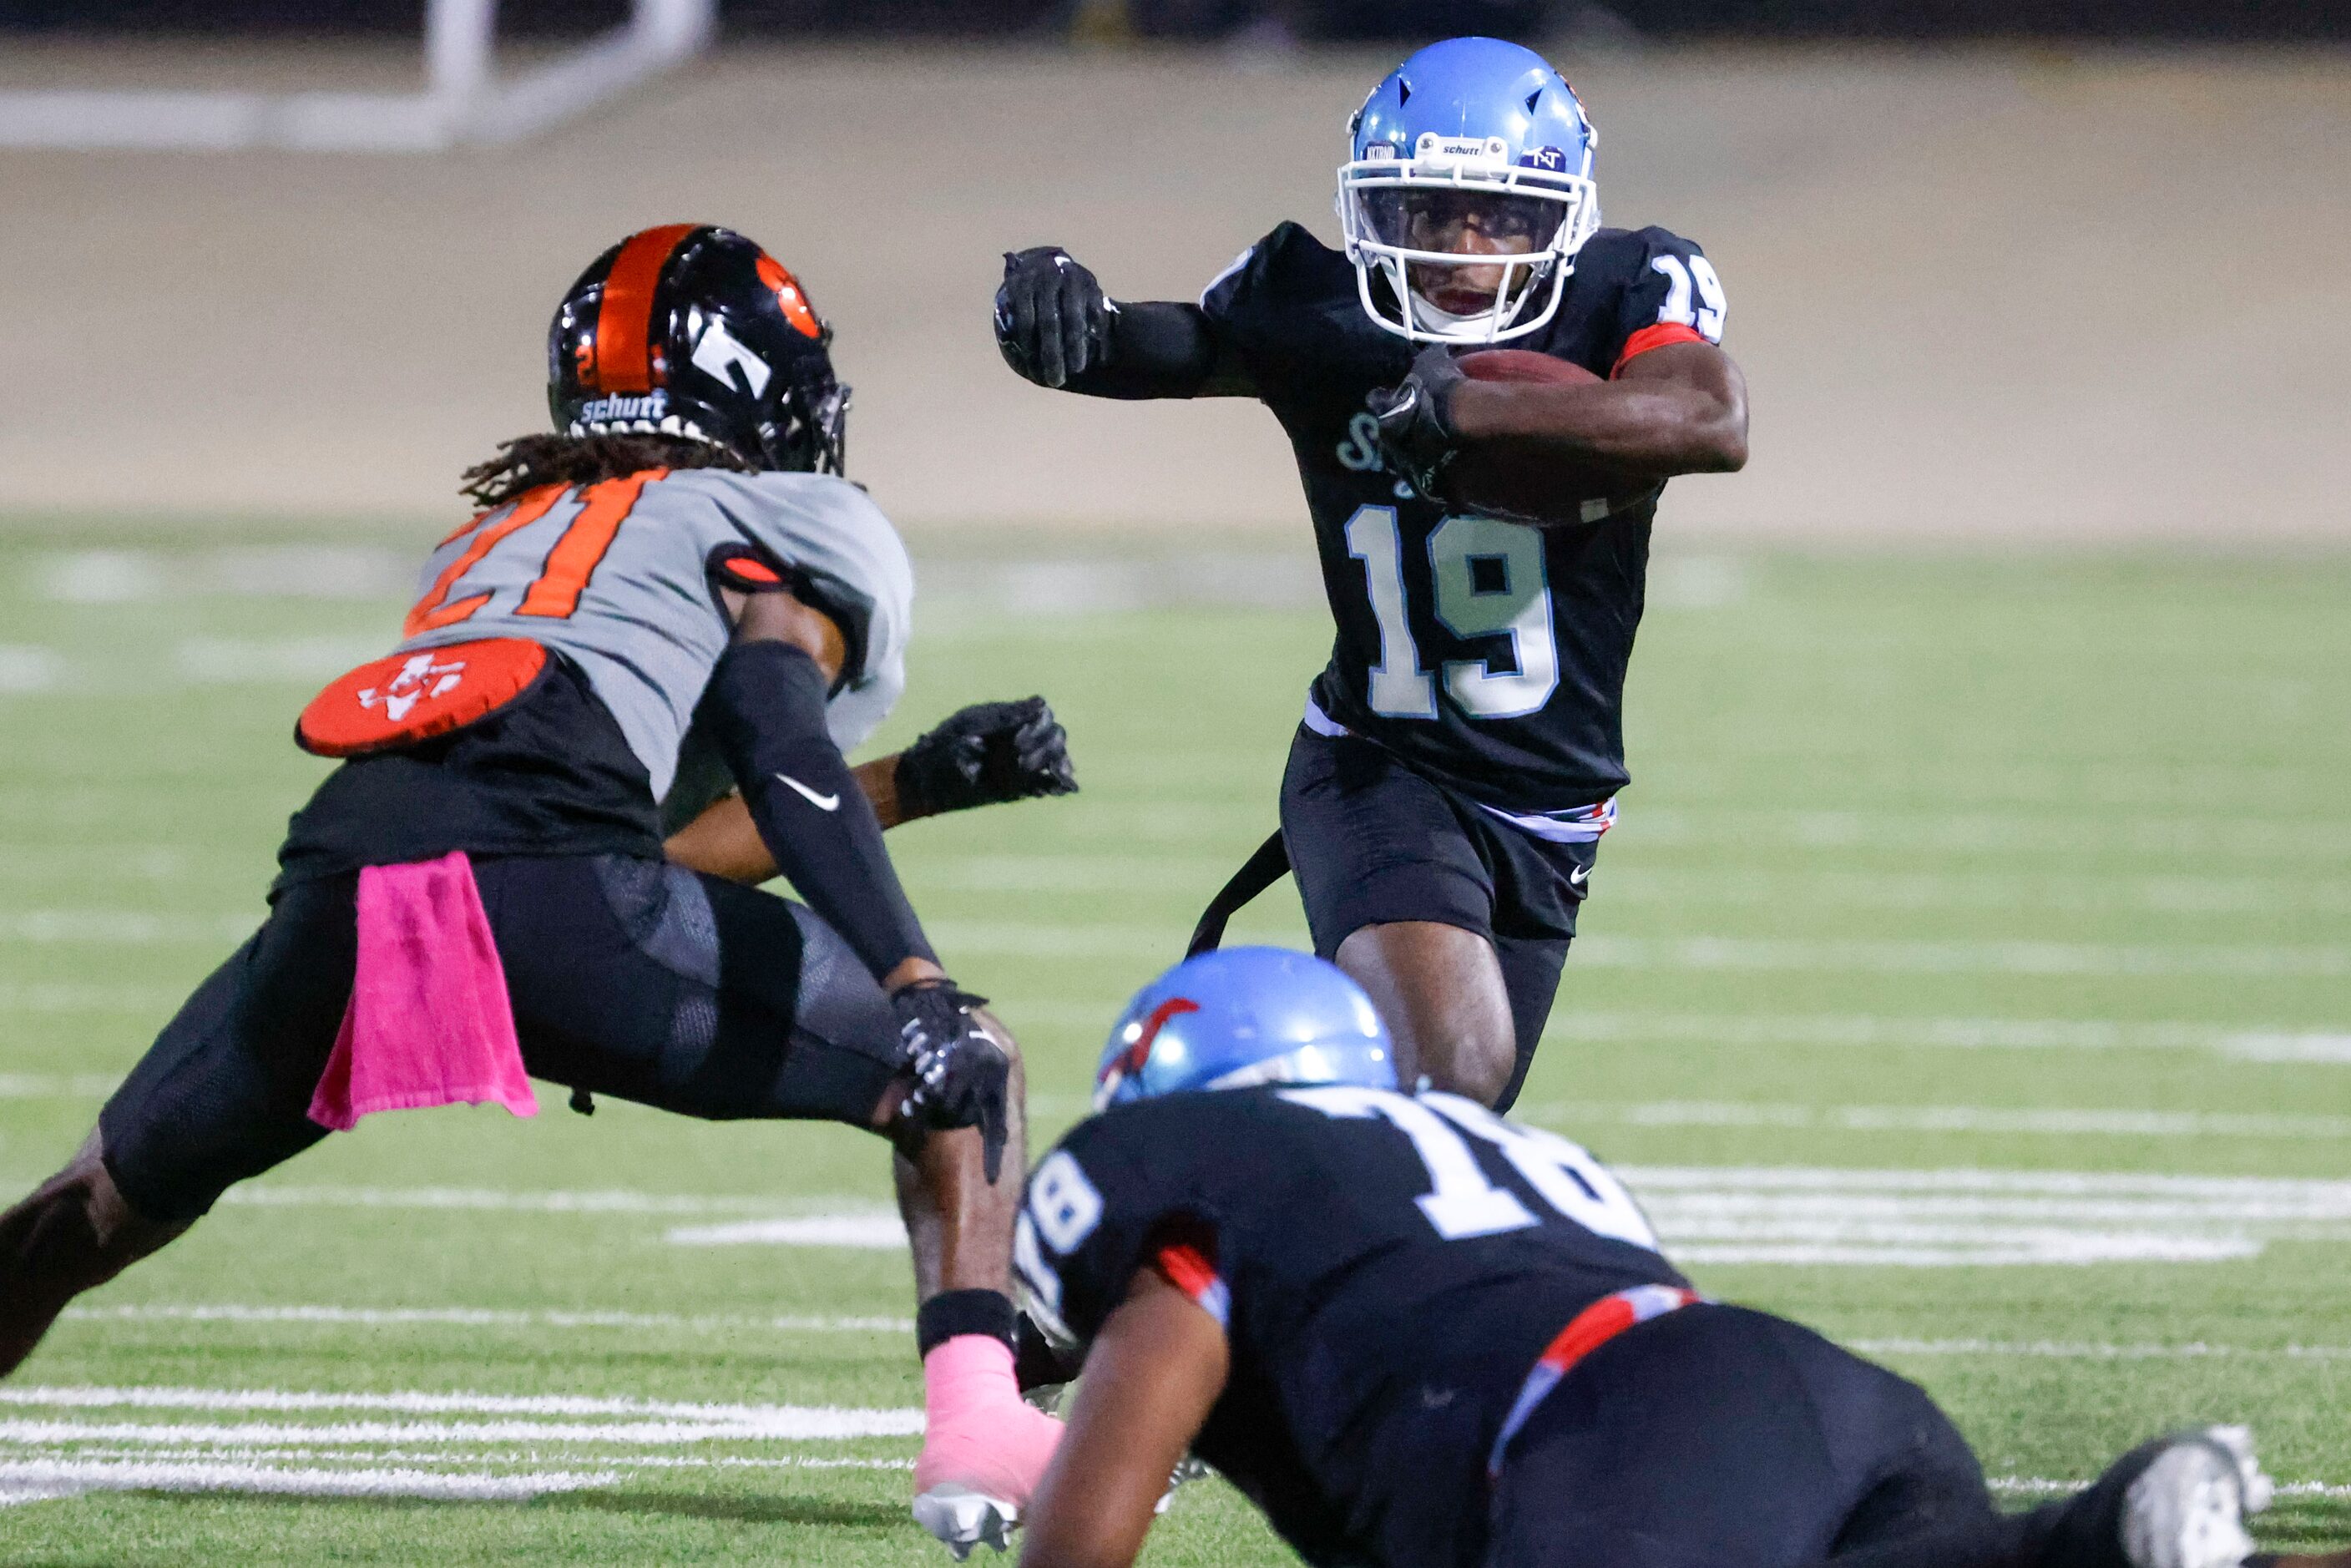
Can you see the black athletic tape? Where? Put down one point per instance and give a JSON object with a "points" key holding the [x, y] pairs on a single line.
{"points": [[765, 708], [951, 1314]]}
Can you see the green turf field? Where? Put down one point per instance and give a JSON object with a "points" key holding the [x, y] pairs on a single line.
{"points": [[1969, 975]]}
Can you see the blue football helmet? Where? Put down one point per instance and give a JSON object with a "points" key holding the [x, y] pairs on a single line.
{"points": [[1240, 1017], [1468, 189]]}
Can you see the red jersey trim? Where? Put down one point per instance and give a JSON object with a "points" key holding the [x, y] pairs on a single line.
{"points": [[1188, 1269], [1657, 337]]}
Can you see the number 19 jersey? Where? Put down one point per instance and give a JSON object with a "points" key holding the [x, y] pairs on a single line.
{"points": [[1388, 1270], [1487, 654]]}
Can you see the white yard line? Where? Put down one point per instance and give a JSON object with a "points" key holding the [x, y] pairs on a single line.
{"points": [[805, 1426], [477, 1461], [484, 1317], [26, 668], [1900, 956], [1813, 1217], [818, 1420], [865, 1232], [34, 1481], [2254, 1042], [1741, 954], [2169, 1124], [67, 997], [2038, 1485], [2184, 842], [2064, 1349], [123, 928], [264, 1196], [2090, 888], [56, 1085]]}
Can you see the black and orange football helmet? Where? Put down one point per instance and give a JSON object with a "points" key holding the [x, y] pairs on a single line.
{"points": [[694, 331]]}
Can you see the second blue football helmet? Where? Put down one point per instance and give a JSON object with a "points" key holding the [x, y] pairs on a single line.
{"points": [[1240, 1017], [1467, 193]]}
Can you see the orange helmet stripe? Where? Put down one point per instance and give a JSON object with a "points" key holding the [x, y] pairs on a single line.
{"points": [[624, 359]]}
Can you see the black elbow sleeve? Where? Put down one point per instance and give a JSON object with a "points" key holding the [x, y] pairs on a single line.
{"points": [[765, 707], [1157, 350]]}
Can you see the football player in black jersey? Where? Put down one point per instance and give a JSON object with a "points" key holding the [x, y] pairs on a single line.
{"points": [[1420, 1336], [1460, 755]]}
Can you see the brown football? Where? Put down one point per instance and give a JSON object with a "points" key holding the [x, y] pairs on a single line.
{"points": [[1517, 484]]}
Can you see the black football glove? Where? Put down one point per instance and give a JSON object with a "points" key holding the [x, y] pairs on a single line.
{"points": [[1052, 320], [962, 1078], [985, 754], [1416, 434]]}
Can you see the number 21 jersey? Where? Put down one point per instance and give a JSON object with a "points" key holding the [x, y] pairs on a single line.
{"points": [[1489, 655]]}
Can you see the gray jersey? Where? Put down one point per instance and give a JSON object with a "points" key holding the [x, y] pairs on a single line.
{"points": [[623, 591]]}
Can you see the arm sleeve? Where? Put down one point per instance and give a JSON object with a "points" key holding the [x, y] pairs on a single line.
{"points": [[1675, 296], [766, 709], [1158, 348], [845, 558]]}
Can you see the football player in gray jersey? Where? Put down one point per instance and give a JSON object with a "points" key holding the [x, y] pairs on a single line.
{"points": [[672, 615]]}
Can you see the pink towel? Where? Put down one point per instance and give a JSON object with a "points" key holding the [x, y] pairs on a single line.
{"points": [[429, 1022]]}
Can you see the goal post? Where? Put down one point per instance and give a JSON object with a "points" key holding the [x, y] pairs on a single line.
{"points": [[464, 99]]}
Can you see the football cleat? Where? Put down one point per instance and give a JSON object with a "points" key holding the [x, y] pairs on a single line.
{"points": [[2187, 1508], [962, 1518]]}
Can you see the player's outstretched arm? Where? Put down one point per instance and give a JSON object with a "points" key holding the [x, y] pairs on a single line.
{"points": [[1056, 327], [1150, 1377], [982, 755]]}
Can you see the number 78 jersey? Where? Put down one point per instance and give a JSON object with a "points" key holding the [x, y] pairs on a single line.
{"points": [[1487, 654], [1388, 1269]]}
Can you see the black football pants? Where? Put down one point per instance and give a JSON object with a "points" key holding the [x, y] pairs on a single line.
{"points": [[1720, 1438], [629, 977], [1372, 843]]}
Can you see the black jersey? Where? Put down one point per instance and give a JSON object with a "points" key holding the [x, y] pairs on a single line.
{"points": [[1389, 1270], [1488, 655]]}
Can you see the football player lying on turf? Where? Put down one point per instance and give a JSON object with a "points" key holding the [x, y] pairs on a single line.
{"points": [[1420, 1336], [674, 594], [1483, 541]]}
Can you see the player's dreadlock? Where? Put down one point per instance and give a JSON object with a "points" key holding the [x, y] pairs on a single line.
{"points": [[529, 461]]}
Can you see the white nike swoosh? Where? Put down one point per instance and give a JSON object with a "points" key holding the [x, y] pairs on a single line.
{"points": [[1575, 878], [822, 803]]}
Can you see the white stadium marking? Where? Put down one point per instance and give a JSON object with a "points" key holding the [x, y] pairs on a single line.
{"points": [[1938, 1119], [48, 1455], [2249, 1042], [266, 1196], [2064, 1349], [36, 1480], [1891, 1218], [1895, 956], [56, 1085], [875, 1231], [25, 669], [800, 1421], [483, 1317], [123, 926], [2036, 1485], [1891, 956], [2089, 889], [802, 1426], [2024, 831]]}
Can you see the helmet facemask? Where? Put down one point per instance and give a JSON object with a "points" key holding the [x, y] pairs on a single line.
{"points": [[1471, 249]]}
